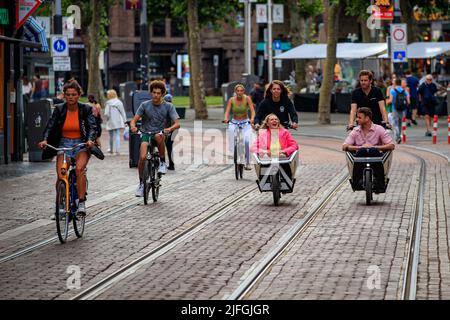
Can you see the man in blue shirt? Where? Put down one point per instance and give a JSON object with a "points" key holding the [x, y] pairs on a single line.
{"points": [[413, 84], [398, 112], [426, 95]]}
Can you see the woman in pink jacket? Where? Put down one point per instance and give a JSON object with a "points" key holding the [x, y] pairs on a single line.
{"points": [[274, 140]]}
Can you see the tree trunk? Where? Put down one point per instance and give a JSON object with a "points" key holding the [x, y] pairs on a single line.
{"points": [[195, 62], [95, 85], [328, 75], [408, 18], [365, 32]]}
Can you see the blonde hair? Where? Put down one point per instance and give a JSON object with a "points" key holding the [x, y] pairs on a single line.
{"points": [[111, 94], [239, 85], [265, 123]]}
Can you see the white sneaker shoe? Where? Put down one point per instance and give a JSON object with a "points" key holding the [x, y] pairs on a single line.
{"points": [[162, 168], [140, 190], [81, 208]]}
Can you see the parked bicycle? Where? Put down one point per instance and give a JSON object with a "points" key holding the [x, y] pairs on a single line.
{"points": [[67, 196], [241, 155]]}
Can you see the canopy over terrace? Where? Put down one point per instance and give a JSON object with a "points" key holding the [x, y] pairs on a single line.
{"points": [[347, 50], [424, 50]]}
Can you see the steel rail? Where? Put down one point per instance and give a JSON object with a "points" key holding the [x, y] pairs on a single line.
{"points": [[133, 203]]}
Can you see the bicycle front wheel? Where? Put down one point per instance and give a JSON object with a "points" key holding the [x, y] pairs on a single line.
{"points": [[61, 214], [155, 180], [146, 180]]}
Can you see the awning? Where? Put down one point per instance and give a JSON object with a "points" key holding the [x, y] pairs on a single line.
{"points": [[423, 50], [346, 50], [32, 31]]}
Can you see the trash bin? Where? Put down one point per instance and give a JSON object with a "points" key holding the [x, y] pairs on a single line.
{"points": [[126, 94], [38, 114]]}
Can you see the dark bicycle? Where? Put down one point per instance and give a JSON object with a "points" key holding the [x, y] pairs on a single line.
{"points": [[151, 177], [66, 196]]}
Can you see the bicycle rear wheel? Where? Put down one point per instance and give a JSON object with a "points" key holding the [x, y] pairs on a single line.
{"points": [[236, 165], [61, 214], [155, 177], [146, 179]]}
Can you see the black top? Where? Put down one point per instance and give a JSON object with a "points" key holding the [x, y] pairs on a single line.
{"points": [[257, 96], [370, 101], [427, 91], [282, 109], [53, 130]]}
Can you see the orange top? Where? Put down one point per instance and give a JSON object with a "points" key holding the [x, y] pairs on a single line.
{"points": [[71, 128]]}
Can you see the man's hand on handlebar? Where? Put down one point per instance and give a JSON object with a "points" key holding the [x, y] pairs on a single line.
{"points": [[350, 127], [42, 144]]}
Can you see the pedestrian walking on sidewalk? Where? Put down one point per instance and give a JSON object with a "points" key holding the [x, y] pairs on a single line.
{"points": [[399, 97], [115, 120], [427, 91]]}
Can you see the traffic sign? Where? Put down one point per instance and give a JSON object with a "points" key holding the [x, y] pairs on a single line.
{"points": [[399, 42], [61, 64], [277, 45], [24, 9], [60, 47]]}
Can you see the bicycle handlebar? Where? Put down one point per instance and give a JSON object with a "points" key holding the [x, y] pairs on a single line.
{"points": [[66, 149]]}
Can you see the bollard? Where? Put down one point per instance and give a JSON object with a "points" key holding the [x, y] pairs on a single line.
{"points": [[448, 122], [435, 125], [404, 129]]}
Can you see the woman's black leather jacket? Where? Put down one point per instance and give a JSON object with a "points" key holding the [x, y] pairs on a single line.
{"points": [[53, 131]]}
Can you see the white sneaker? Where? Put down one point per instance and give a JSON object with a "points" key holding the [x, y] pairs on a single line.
{"points": [[81, 208], [140, 190], [162, 168]]}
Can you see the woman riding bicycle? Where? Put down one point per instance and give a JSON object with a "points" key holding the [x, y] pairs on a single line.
{"points": [[274, 140], [70, 124], [239, 105]]}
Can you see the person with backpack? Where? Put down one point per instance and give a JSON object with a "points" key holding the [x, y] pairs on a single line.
{"points": [[399, 98]]}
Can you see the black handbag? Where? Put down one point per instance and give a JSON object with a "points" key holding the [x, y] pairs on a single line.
{"points": [[96, 151]]}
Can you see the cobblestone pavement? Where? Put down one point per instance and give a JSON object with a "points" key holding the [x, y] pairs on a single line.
{"points": [[330, 260]]}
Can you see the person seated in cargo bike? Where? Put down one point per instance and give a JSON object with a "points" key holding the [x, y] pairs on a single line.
{"points": [[367, 139], [273, 140], [155, 115]]}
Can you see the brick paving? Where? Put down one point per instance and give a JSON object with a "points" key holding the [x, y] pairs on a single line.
{"points": [[329, 261]]}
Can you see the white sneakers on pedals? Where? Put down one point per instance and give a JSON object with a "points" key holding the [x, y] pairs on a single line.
{"points": [[140, 190], [162, 168]]}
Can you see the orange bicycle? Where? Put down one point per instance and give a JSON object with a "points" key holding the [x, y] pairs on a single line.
{"points": [[66, 196]]}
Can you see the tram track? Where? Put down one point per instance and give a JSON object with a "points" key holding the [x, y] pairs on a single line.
{"points": [[409, 286], [103, 285], [130, 204]]}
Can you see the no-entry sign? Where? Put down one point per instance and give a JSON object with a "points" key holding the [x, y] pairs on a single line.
{"points": [[399, 42]]}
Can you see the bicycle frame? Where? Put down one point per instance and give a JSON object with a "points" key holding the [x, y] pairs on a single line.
{"points": [[66, 168], [239, 142]]}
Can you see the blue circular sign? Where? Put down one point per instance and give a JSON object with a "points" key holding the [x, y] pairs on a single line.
{"points": [[59, 46]]}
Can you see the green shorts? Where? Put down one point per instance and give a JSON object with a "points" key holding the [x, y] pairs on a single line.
{"points": [[145, 137]]}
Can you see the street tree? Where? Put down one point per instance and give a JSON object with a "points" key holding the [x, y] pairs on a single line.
{"points": [[94, 20], [194, 15], [333, 8]]}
